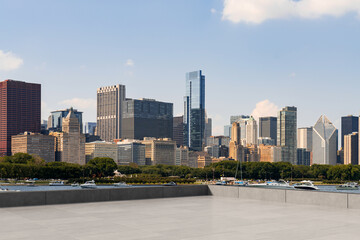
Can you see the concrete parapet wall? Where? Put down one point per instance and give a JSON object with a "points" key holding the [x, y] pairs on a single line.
{"points": [[15, 199], [327, 199]]}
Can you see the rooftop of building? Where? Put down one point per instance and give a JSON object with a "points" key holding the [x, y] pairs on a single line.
{"points": [[185, 218]]}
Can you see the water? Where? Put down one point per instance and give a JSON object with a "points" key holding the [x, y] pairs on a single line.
{"points": [[332, 188], [24, 188]]}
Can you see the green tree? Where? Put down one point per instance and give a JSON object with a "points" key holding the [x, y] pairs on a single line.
{"points": [[102, 166]]}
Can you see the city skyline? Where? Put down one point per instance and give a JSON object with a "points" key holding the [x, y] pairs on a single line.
{"points": [[267, 55]]}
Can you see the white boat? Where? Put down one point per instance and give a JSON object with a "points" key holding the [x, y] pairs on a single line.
{"points": [[75, 185], [170, 184], [57, 183], [220, 183], [121, 184], [240, 183], [306, 185], [88, 184], [272, 184], [348, 186]]}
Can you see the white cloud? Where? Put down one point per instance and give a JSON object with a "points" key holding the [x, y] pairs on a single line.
{"points": [[129, 63], [264, 109], [80, 104], [8, 61], [213, 10], [258, 11]]}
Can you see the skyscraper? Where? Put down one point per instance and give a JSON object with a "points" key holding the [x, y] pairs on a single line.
{"points": [[268, 127], [349, 124], [208, 130], [56, 118], [178, 130], [194, 110], [227, 130], [20, 111], [351, 148], [304, 138], [251, 132], [109, 111], [324, 142], [147, 118], [286, 134]]}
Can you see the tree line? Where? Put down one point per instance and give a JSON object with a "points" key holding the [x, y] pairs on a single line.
{"points": [[22, 165]]}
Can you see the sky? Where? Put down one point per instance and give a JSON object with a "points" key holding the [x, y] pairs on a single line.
{"points": [[257, 55]]}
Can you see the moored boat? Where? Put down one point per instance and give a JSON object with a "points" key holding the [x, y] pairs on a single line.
{"points": [[348, 186], [170, 184], [121, 184], [57, 183], [89, 184], [306, 185]]}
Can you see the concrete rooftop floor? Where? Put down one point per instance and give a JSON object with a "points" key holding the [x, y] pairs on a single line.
{"points": [[187, 218]]}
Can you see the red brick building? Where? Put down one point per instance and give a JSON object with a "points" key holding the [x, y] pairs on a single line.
{"points": [[20, 111]]}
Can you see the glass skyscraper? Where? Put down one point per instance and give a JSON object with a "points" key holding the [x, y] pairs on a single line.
{"points": [[349, 124], [286, 134], [194, 110]]}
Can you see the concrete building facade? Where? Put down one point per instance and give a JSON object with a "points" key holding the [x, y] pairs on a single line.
{"points": [[182, 156], [101, 149], [34, 144], [159, 151], [178, 130], [110, 101], [351, 148], [55, 119], [131, 152], [251, 132]]}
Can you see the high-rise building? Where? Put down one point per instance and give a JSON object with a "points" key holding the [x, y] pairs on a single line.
{"points": [[286, 134], [251, 132], [268, 127], [56, 118], [218, 140], [351, 148], [268, 153], [182, 156], [238, 118], [227, 130], [208, 130], [147, 118], [304, 138], [178, 130], [266, 141], [109, 111], [34, 144], [303, 157], [194, 111], [325, 141], [70, 143], [90, 128], [236, 151], [349, 124], [159, 151], [131, 152], [20, 111], [101, 149]]}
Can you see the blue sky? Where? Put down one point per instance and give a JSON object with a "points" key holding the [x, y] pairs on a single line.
{"points": [[257, 55]]}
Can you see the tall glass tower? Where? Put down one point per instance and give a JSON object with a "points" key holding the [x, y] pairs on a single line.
{"points": [[194, 111], [286, 134]]}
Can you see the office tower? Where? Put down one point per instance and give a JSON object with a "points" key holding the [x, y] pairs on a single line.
{"points": [[238, 118], [194, 111], [131, 151], [251, 132], [20, 111], [34, 144], [203, 160], [236, 151], [304, 138], [178, 130], [268, 127], [109, 112], [147, 118], [208, 130], [101, 149], [227, 130], [70, 143], [182, 156], [286, 134], [268, 153], [90, 128], [218, 140], [159, 151], [213, 151], [324, 142], [349, 124], [55, 119], [266, 141], [303, 157], [351, 148]]}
